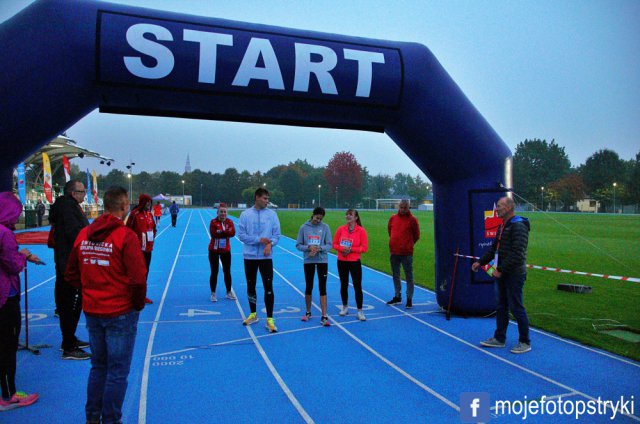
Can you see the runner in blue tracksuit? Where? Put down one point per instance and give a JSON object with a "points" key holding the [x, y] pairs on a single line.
{"points": [[259, 230]]}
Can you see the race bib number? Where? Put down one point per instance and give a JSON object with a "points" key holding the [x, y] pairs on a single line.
{"points": [[222, 243], [346, 242], [313, 240], [149, 235]]}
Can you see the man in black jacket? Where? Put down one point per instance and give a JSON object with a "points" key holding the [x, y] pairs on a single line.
{"points": [[509, 253], [68, 218]]}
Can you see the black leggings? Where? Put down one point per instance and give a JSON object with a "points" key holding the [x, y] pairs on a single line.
{"points": [[266, 273], [355, 268], [10, 322], [69, 305], [309, 271], [225, 258], [147, 260]]}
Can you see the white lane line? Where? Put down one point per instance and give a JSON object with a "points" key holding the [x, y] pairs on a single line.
{"points": [[144, 386], [485, 351], [544, 333], [38, 285], [378, 355], [292, 398]]}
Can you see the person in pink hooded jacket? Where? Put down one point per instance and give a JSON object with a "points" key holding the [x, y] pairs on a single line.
{"points": [[12, 262]]}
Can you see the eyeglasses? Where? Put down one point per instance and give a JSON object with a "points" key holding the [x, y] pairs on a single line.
{"points": [[79, 191]]}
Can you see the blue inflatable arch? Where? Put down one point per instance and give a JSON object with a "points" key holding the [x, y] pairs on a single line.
{"points": [[63, 59]]}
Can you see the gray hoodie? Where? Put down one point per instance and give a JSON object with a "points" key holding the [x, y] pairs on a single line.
{"points": [[310, 234]]}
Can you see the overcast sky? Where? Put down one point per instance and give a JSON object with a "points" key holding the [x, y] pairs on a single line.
{"points": [[563, 70]]}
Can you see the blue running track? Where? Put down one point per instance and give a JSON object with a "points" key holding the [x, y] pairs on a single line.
{"points": [[194, 361]]}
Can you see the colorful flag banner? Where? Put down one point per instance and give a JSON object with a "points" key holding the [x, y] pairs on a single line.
{"points": [[22, 186], [88, 195], [95, 187], [46, 168], [67, 168]]}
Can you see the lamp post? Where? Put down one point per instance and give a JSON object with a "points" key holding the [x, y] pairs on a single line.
{"points": [[184, 203], [319, 187], [200, 194], [130, 176], [614, 197], [542, 198]]}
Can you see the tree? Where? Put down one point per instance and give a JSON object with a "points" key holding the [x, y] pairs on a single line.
{"points": [[419, 189], [344, 174], [634, 181], [601, 170], [290, 182], [536, 163], [401, 184], [568, 189]]}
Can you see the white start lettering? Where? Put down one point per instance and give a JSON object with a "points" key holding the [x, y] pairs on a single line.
{"points": [[259, 61]]}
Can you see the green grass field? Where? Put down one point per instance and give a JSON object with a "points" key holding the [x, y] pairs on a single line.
{"points": [[602, 244]]}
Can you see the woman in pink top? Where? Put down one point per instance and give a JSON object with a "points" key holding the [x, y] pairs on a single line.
{"points": [[351, 241]]}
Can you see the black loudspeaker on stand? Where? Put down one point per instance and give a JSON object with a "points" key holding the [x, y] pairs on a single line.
{"points": [[35, 349]]}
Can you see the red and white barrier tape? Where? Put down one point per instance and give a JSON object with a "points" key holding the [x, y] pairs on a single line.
{"points": [[569, 271]]}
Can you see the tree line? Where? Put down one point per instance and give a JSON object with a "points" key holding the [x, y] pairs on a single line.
{"points": [[543, 175], [343, 182]]}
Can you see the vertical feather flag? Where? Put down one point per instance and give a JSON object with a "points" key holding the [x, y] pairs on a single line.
{"points": [[22, 188], [46, 168], [67, 168], [95, 187], [89, 196]]}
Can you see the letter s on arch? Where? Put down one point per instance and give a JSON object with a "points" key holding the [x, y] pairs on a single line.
{"points": [[163, 56]]}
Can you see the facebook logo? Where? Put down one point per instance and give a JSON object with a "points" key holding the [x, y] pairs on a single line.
{"points": [[474, 407]]}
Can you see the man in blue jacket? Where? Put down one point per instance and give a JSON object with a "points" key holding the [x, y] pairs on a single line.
{"points": [[259, 230], [173, 210], [509, 253]]}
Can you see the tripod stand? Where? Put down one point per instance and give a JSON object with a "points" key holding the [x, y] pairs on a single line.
{"points": [[35, 349]]}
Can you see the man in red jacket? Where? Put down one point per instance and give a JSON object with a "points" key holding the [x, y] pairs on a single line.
{"points": [[107, 264], [141, 221], [404, 232]]}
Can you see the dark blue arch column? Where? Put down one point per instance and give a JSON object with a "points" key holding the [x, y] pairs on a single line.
{"points": [[85, 54]]}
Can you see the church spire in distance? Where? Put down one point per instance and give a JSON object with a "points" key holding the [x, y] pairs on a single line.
{"points": [[187, 166]]}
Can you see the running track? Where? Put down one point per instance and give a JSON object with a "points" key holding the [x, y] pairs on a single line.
{"points": [[195, 363]]}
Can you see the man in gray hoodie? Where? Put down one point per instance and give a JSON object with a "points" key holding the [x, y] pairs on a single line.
{"points": [[314, 239], [259, 230]]}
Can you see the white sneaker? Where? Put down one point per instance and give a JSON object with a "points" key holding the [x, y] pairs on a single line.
{"points": [[213, 297], [231, 296], [344, 311], [361, 316]]}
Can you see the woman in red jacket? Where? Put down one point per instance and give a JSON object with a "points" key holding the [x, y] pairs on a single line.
{"points": [[141, 221], [351, 241], [221, 229]]}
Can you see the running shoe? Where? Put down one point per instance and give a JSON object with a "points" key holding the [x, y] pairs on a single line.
{"points": [[492, 342], [409, 304], [395, 300], [213, 297], [361, 316], [344, 311], [306, 317], [231, 296], [271, 326], [251, 319], [324, 321], [19, 399], [521, 348], [76, 354]]}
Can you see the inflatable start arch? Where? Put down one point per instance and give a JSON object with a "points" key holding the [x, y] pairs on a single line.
{"points": [[67, 58]]}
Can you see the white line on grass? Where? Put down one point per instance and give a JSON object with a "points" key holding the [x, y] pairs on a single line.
{"points": [[142, 409], [292, 398]]}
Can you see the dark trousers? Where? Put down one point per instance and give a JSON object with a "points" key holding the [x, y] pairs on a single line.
{"points": [[40, 220], [69, 305], [407, 264], [225, 258], [174, 218], [510, 298], [355, 269], [10, 321], [309, 271], [251, 268], [147, 260]]}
